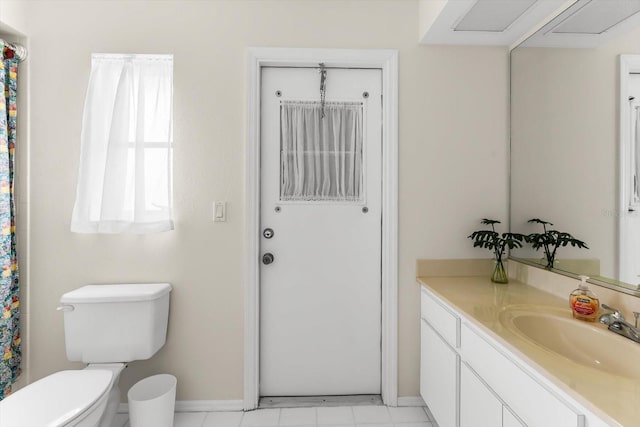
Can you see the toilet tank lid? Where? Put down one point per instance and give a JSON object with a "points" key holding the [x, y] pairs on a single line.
{"points": [[125, 292]]}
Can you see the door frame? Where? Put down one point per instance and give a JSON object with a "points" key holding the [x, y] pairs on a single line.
{"points": [[387, 61], [628, 64]]}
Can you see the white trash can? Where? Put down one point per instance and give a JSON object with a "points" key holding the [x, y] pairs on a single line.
{"points": [[152, 401]]}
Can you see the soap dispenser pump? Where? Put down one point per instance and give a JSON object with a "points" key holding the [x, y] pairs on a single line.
{"points": [[584, 303]]}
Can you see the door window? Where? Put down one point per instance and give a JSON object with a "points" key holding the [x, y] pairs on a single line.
{"points": [[321, 151]]}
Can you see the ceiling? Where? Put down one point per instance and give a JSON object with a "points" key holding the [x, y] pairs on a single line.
{"points": [[561, 23]]}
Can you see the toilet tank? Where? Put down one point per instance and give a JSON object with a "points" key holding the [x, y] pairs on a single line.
{"points": [[115, 323]]}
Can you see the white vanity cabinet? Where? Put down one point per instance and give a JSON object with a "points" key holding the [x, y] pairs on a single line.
{"points": [[479, 407], [440, 362], [510, 420], [438, 376], [529, 399], [466, 379]]}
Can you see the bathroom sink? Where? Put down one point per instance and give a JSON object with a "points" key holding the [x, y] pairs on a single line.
{"points": [[589, 344]]}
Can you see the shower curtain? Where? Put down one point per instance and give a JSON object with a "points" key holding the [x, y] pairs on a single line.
{"points": [[10, 354]]}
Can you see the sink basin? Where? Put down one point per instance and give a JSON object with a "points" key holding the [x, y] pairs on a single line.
{"points": [[588, 344]]}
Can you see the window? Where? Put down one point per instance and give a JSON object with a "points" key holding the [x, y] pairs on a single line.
{"points": [[321, 153], [125, 173]]}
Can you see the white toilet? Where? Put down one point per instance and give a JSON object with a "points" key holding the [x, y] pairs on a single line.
{"points": [[106, 326]]}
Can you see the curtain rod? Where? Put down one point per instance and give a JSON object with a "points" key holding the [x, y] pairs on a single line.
{"points": [[20, 51]]}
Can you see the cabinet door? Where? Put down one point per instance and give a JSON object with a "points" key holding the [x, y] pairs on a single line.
{"points": [[439, 366], [510, 420], [479, 407]]}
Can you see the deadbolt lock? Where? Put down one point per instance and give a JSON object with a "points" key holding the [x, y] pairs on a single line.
{"points": [[267, 258], [267, 233]]}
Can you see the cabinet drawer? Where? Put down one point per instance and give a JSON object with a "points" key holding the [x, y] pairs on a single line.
{"points": [[525, 396], [442, 320]]}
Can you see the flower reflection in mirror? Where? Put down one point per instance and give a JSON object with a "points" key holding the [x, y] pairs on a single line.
{"points": [[550, 240]]}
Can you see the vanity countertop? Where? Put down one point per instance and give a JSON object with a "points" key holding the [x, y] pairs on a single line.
{"points": [[615, 399]]}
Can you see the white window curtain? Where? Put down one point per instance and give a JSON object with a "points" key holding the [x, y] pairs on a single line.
{"points": [[125, 172], [321, 157]]}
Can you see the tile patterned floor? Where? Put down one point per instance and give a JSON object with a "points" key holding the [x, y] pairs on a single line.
{"points": [[341, 416]]}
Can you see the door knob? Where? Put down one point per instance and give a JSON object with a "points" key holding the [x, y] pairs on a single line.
{"points": [[267, 258]]}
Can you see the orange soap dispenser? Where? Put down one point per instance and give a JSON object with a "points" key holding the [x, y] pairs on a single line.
{"points": [[584, 303]]}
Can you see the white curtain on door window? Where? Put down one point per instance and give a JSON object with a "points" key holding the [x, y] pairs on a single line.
{"points": [[124, 182], [321, 158]]}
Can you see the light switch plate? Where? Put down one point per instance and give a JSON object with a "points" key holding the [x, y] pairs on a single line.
{"points": [[219, 211]]}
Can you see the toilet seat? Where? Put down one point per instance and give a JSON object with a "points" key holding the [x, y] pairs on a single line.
{"points": [[60, 399]]}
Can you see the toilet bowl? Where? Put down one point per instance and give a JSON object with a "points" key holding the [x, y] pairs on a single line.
{"points": [[66, 398], [128, 322]]}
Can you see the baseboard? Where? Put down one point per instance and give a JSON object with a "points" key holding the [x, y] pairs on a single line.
{"points": [[237, 405], [411, 401], [198, 406]]}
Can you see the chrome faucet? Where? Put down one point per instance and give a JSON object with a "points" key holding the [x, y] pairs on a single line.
{"points": [[616, 323]]}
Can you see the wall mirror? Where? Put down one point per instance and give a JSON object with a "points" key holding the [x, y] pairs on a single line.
{"points": [[566, 158]]}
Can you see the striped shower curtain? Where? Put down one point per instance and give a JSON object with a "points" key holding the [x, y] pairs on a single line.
{"points": [[10, 354]]}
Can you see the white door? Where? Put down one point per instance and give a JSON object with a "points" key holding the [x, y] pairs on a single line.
{"points": [[320, 297]]}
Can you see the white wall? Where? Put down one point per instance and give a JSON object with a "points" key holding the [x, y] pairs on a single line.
{"points": [[453, 163]]}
